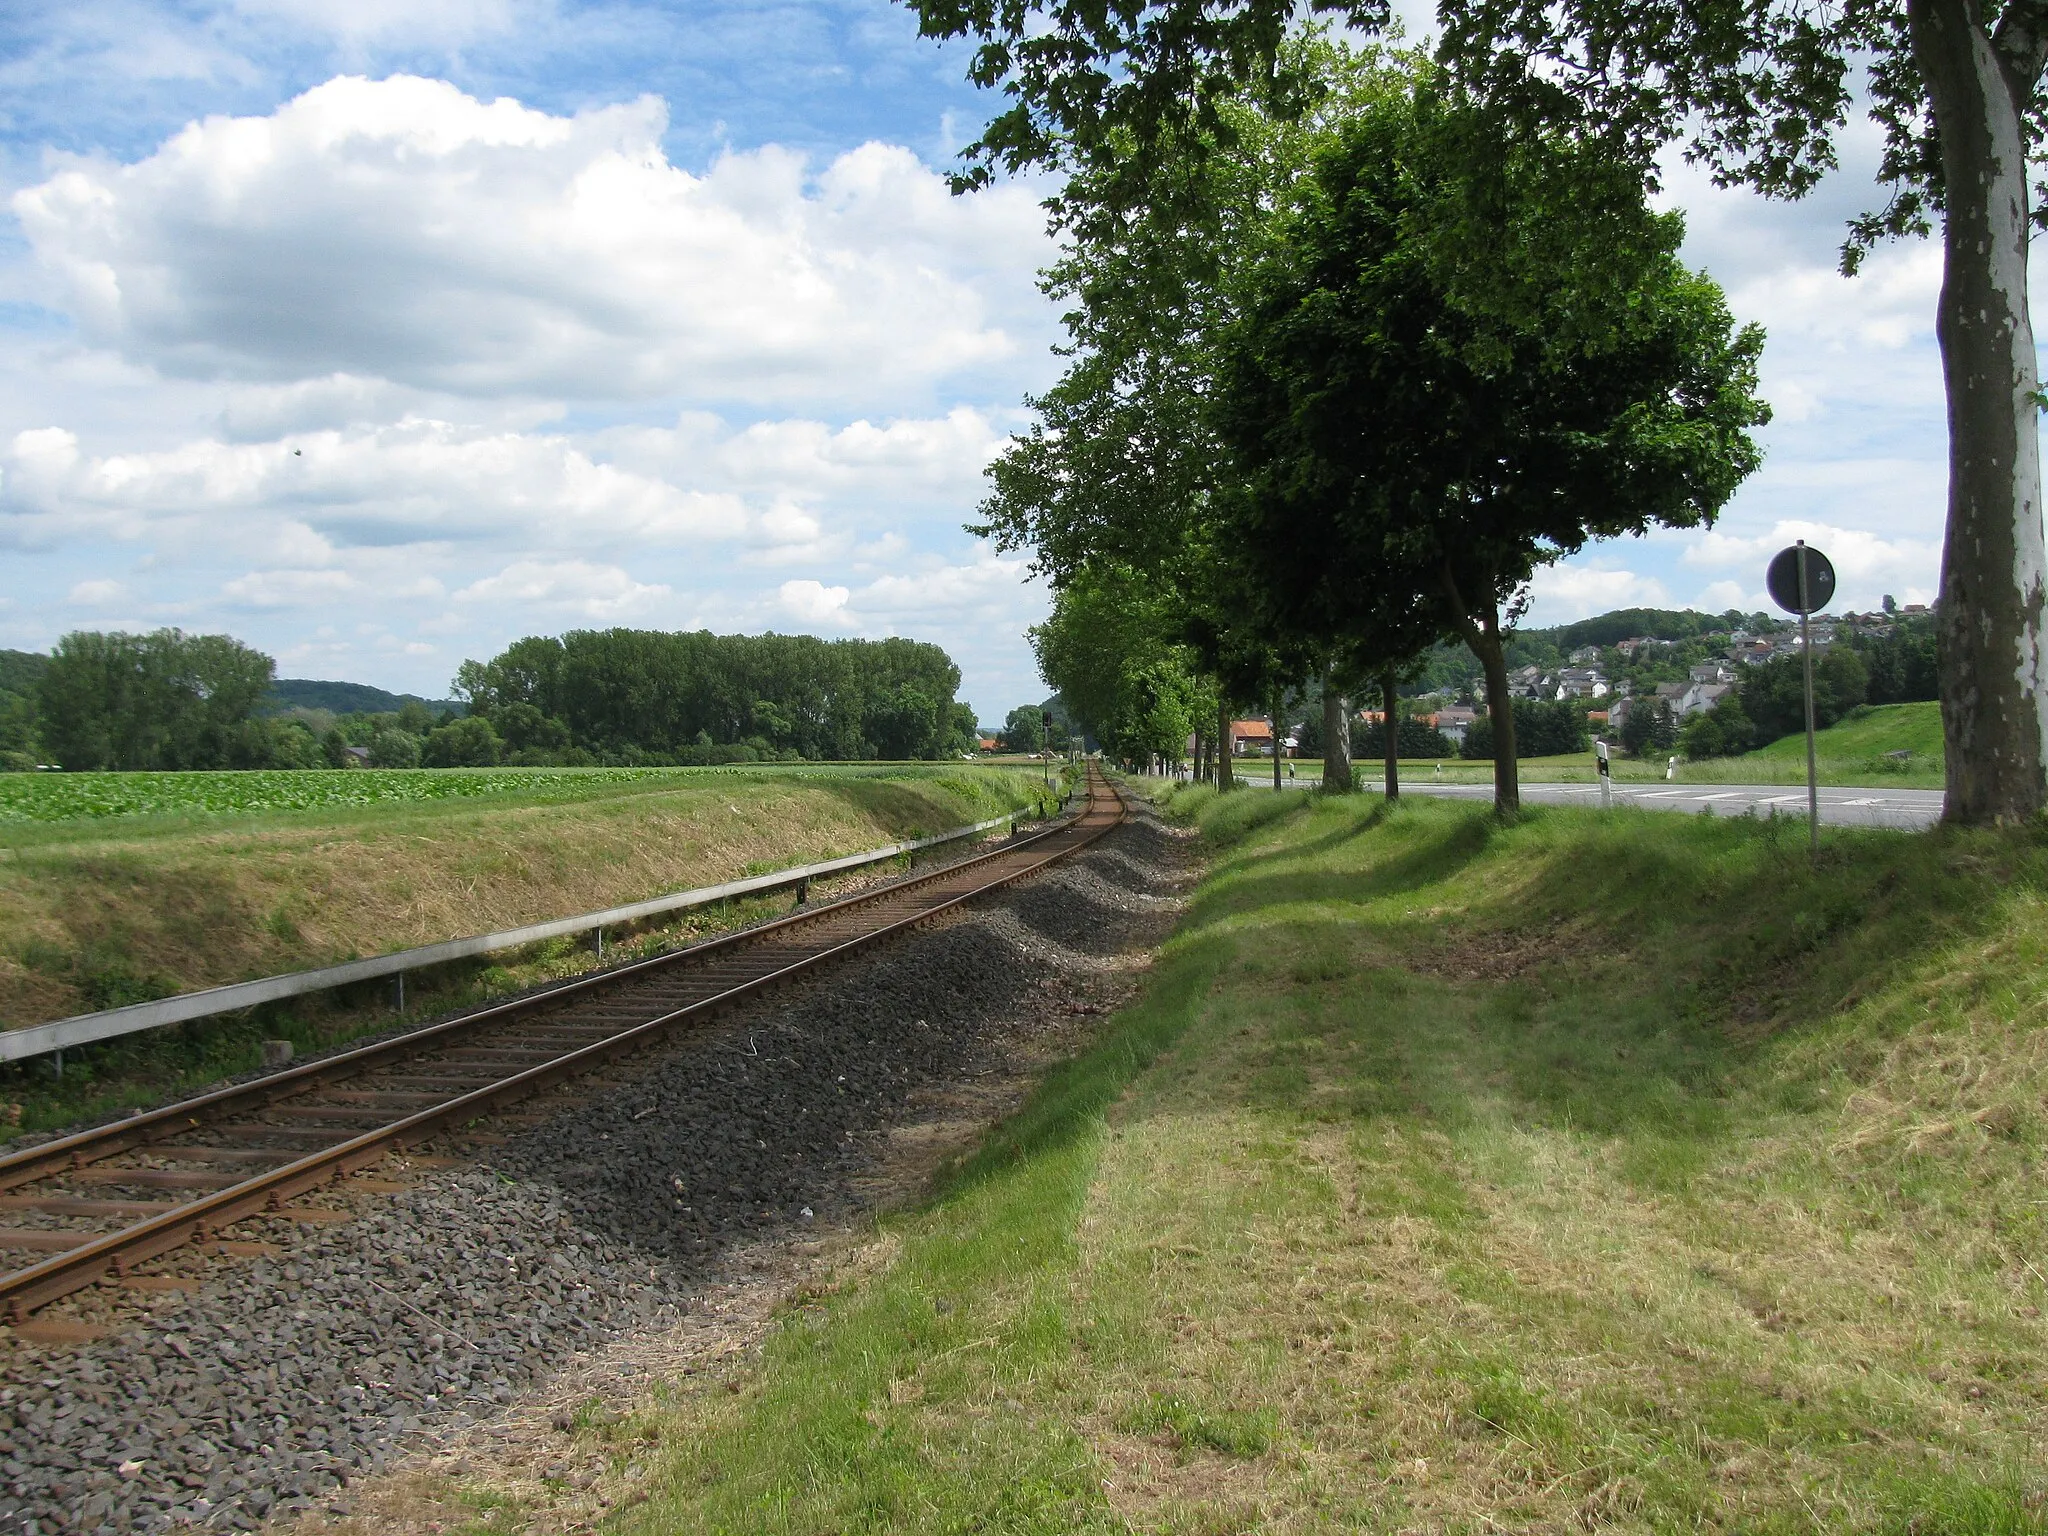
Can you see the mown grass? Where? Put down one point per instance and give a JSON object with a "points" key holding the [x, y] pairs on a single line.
{"points": [[1622, 1172], [119, 914]]}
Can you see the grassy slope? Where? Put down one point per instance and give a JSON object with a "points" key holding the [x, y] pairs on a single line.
{"points": [[1882, 728], [1848, 754], [97, 913], [1594, 1173]]}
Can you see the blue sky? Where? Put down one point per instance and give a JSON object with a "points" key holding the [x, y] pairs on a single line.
{"points": [[379, 334]]}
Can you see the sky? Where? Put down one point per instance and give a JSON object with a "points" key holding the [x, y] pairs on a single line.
{"points": [[380, 334]]}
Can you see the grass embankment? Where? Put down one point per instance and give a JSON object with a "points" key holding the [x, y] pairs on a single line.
{"points": [[1850, 754], [100, 911], [1613, 1172]]}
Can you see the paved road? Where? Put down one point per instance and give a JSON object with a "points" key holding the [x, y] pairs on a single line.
{"points": [[1910, 810]]}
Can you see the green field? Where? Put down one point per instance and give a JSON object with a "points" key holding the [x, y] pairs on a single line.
{"points": [[1594, 1173], [43, 797]]}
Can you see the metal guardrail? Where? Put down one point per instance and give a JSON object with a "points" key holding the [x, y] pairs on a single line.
{"points": [[85, 1028]]}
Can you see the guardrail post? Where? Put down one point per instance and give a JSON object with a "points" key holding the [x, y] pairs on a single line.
{"points": [[400, 1005], [600, 941], [803, 892]]}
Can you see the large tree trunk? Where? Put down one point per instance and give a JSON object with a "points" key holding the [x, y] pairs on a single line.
{"points": [[1994, 676], [1277, 785], [1390, 733], [1336, 737], [1483, 636], [1223, 747]]}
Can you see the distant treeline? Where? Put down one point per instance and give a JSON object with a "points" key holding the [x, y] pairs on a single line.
{"points": [[645, 696], [170, 700]]}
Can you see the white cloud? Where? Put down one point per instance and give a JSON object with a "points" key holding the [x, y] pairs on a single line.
{"points": [[445, 23], [812, 602], [1573, 590], [572, 588], [401, 230], [410, 481], [290, 589], [1866, 566], [97, 593]]}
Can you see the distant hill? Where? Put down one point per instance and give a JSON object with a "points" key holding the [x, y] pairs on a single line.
{"points": [[344, 698], [1626, 623]]}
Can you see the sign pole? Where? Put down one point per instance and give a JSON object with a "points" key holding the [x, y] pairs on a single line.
{"points": [[1806, 656]]}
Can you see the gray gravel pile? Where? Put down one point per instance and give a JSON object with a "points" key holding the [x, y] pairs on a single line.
{"points": [[760, 1124], [289, 1374], [285, 1377]]}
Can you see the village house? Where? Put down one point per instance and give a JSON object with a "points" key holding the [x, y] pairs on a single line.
{"points": [[1700, 697], [1584, 656], [1454, 720], [1251, 738], [1581, 683]]}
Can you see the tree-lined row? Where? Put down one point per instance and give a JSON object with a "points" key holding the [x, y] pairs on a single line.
{"points": [[1421, 317], [648, 696], [169, 700], [1343, 380]]}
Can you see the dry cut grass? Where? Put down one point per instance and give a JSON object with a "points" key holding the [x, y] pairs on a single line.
{"points": [[1717, 1207]]}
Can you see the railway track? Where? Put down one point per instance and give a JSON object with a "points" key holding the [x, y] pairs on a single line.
{"points": [[89, 1207]]}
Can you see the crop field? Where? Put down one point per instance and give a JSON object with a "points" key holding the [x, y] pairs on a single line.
{"points": [[78, 796]]}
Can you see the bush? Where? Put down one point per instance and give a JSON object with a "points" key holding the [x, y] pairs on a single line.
{"points": [[1542, 729], [395, 749], [1772, 694], [466, 743], [1415, 739]]}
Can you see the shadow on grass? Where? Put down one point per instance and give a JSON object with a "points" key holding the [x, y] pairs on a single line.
{"points": [[1615, 976]]}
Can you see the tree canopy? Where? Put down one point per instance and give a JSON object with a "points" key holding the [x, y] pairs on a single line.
{"points": [[630, 695], [1761, 92]]}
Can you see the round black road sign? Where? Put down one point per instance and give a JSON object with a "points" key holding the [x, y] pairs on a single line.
{"points": [[1783, 580]]}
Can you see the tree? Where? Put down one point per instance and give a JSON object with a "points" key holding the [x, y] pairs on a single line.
{"points": [[161, 700], [1441, 415], [1107, 648], [393, 748], [624, 695], [1760, 93], [1024, 729], [525, 730], [1541, 728], [466, 743], [1648, 728], [1772, 694]]}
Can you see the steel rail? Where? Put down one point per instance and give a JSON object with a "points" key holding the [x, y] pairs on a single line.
{"points": [[199, 1219], [135, 1018], [31, 1163]]}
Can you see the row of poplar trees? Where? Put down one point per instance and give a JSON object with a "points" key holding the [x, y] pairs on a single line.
{"points": [[1344, 376], [1363, 338]]}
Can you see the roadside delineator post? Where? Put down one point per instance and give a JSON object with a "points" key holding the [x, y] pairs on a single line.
{"points": [[1606, 777]]}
